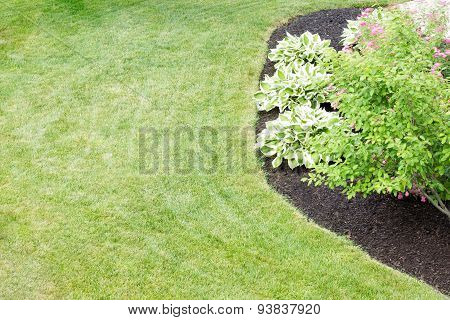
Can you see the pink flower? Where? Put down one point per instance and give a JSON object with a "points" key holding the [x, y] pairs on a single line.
{"points": [[439, 29], [406, 194], [431, 16], [434, 67], [368, 10], [447, 52], [423, 199], [376, 29], [347, 49], [447, 40], [363, 23], [371, 44], [440, 54], [363, 15], [443, 2], [400, 196]]}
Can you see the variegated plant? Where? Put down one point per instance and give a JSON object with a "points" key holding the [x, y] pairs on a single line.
{"points": [[307, 48], [293, 85], [350, 34], [288, 137]]}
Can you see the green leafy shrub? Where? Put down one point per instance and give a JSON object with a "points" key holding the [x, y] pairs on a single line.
{"points": [[307, 48], [288, 137], [295, 85], [399, 112]]}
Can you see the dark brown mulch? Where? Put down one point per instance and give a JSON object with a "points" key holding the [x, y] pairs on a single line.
{"points": [[407, 235]]}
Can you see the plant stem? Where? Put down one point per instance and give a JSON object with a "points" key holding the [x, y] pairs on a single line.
{"points": [[443, 209]]}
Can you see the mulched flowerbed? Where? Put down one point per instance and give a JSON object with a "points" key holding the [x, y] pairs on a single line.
{"points": [[407, 235]]}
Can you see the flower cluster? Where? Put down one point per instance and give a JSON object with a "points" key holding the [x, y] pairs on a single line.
{"points": [[432, 17], [363, 32], [365, 13], [435, 70], [376, 29], [439, 54], [414, 191]]}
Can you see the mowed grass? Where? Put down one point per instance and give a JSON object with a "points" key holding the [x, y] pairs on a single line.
{"points": [[79, 218]]}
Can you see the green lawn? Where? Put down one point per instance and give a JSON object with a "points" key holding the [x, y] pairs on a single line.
{"points": [[78, 219]]}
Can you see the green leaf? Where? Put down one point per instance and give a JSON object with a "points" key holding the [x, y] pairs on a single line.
{"points": [[281, 75], [259, 96], [277, 162]]}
